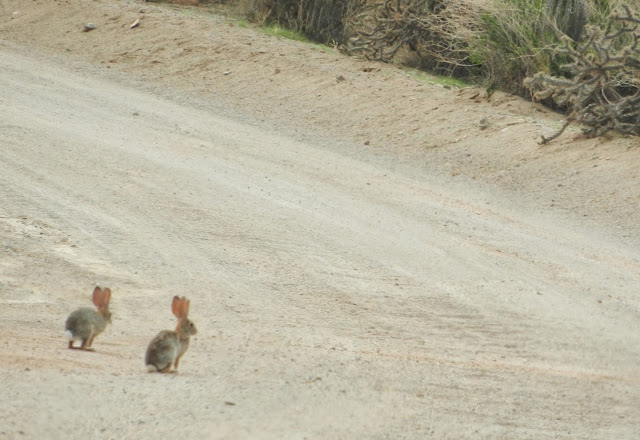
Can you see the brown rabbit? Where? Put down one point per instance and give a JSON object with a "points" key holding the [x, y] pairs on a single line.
{"points": [[169, 346], [85, 323]]}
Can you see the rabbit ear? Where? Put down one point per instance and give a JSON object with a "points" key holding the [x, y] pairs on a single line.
{"points": [[175, 306], [106, 297], [97, 294], [185, 307]]}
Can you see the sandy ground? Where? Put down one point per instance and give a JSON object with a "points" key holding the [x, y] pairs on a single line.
{"points": [[364, 257]]}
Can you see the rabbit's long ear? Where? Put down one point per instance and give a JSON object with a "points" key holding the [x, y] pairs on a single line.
{"points": [[106, 297], [97, 295], [175, 306], [185, 307]]}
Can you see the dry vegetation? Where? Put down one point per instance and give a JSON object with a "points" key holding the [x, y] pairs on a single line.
{"points": [[437, 33], [602, 87], [537, 49]]}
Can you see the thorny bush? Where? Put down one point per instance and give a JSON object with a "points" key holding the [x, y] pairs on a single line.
{"points": [[434, 29], [602, 87]]}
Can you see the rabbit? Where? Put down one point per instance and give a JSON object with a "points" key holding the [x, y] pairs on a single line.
{"points": [[86, 323], [169, 346]]}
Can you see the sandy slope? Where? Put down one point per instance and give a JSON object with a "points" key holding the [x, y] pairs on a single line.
{"points": [[363, 260]]}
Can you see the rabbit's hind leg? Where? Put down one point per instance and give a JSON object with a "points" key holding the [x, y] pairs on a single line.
{"points": [[86, 345]]}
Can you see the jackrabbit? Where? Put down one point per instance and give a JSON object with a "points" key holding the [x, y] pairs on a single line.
{"points": [[86, 323], [169, 346]]}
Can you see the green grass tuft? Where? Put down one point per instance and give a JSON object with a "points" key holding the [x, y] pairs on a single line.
{"points": [[428, 78], [289, 34]]}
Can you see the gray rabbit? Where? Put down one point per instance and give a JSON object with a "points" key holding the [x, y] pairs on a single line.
{"points": [[169, 346], [86, 323]]}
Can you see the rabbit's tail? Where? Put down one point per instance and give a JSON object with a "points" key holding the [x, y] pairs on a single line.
{"points": [[69, 335], [152, 368]]}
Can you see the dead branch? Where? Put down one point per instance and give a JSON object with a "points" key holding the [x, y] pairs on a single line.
{"points": [[426, 27]]}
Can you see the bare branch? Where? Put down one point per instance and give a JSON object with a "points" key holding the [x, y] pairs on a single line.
{"points": [[425, 27]]}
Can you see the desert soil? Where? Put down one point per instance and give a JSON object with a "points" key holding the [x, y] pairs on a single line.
{"points": [[367, 254]]}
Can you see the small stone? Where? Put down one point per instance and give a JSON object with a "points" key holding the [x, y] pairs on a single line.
{"points": [[89, 27], [15, 15]]}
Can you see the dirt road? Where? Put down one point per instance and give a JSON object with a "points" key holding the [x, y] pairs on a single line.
{"points": [[339, 292]]}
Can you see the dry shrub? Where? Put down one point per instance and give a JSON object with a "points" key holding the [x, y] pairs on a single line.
{"points": [[516, 41], [602, 87], [320, 20], [438, 32], [594, 74]]}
